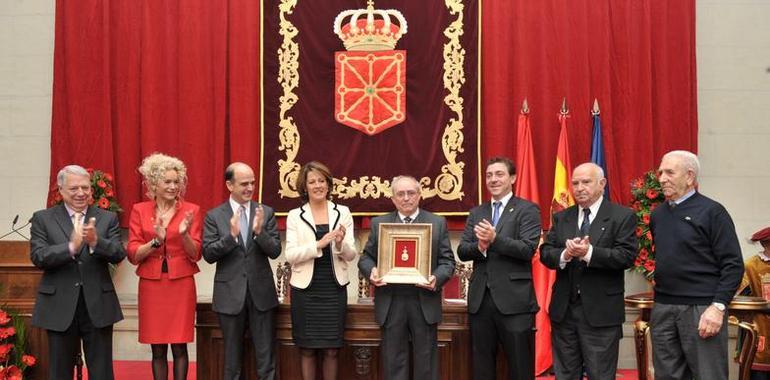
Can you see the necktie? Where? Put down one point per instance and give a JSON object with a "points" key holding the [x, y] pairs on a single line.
{"points": [[586, 225], [496, 212], [408, 220], [244, 225], [78, 219]]}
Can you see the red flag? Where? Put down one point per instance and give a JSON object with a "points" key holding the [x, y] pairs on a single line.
{"points": [[542, 277]]}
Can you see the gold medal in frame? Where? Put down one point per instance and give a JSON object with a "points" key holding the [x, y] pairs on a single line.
{"points": [[404, 252]]}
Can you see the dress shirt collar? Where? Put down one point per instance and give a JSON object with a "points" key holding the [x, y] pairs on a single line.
{"points": [[413, 216], [594, 207], [235, 206], [684, 197], [503, 201], [71, 212]]}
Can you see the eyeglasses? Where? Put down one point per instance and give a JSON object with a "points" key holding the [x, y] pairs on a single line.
{"points": [[406, 194]]}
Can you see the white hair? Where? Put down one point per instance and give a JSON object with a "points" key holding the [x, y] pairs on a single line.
{"points": [[598, 169], [688, 159], [70, 169], [399, 178]]}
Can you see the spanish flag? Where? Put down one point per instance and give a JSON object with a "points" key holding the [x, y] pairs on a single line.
{"points": [[562, 197]]}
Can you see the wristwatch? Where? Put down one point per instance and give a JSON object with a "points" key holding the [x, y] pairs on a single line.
{"points": [[155, 243], [720, 306]]}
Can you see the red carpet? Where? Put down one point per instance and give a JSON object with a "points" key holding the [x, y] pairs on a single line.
{"points": [[140, 370]]}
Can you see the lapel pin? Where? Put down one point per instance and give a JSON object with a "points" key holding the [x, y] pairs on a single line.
{"points": [[510, 209], [687, 218]]}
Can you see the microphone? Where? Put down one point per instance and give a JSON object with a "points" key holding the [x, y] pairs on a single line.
{"points": [[16, 230]]}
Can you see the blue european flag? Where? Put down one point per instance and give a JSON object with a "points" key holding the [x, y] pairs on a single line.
{"points": [[597, 151]]}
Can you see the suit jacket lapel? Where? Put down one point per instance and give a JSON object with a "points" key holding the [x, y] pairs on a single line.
{"points": [[506, 210], [600, 221], [63, 219], [333, 214], [570, 221]]}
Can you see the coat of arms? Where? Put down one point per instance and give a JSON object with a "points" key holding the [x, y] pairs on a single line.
{"points": [[370, 77]]}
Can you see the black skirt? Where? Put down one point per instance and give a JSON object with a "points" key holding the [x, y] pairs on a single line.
{"points": [[318, 312]]}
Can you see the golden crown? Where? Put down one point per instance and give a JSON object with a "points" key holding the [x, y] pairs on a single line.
{"points": [[370, 29]]}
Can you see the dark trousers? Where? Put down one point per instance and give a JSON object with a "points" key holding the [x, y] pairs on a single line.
{"points": [[678, 352], [515, 332], [576, 343], [64, 345], [262, 327], [406, 323]]}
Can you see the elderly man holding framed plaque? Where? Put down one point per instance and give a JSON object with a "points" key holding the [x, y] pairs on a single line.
{"points": [[408, 259]]}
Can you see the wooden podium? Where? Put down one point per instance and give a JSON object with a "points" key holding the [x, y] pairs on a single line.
{"points": [[19, 279], [358, 359]]}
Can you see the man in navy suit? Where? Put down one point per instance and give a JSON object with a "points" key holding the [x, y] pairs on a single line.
{"points": [[590, 246], [239, 236], [409, 312], [501, 237], [73, 243]]}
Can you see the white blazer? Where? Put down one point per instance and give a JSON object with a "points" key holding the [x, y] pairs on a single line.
{"points": [[301, 250]]}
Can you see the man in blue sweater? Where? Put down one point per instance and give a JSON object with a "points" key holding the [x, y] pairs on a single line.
{"points": [[699, 267]]}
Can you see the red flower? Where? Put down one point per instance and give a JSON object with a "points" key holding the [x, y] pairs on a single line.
{"points": [[4, 318], [108, 177], [646, 218], [104, 203], [638, 262], [639, 231], [653, 206], [7, 332], [101, 184], [90, 171], [643, 254], [11, 372], [652, 194], [649, 265], [4, 350], [109, 192], [648, 235], [28, 360]]}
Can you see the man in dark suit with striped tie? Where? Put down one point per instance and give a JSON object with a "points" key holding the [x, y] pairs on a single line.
{"points": [[73, 243], [409, 312], [590, 245], [500, 238]]}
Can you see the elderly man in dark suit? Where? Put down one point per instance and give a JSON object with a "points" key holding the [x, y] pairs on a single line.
{"points": [[590, 246], [409, 312], [500, 238], [73, 243], [239, 236]]}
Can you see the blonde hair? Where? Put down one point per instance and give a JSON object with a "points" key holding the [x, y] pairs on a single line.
{"points": [[155, 166]]}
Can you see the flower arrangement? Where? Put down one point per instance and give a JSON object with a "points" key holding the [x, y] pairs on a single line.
{"points": [[647, 195], [13, 359], [102, 191]]}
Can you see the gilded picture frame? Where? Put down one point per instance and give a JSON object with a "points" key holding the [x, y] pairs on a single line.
{"points": [[404, 252]]}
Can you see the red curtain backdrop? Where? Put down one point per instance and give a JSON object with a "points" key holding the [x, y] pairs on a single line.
{"points": [[181, 77]]}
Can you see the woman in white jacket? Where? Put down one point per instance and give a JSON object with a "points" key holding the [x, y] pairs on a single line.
{"points": [[319, 245]]}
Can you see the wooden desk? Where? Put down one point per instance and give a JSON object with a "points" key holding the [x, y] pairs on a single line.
{"points": [[359, 358], [741, 313]]}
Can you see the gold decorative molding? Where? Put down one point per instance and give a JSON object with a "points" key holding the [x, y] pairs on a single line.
{"points": [[446, 185], [288, 78]]}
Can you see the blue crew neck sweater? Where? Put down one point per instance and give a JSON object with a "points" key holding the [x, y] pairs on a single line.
{"points": [[698, 257]]}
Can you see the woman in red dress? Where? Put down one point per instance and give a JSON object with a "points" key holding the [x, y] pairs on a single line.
{"points": [[164, 241]]}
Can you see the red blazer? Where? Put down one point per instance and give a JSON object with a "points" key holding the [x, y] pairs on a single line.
{"points": [[141, 230]]}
